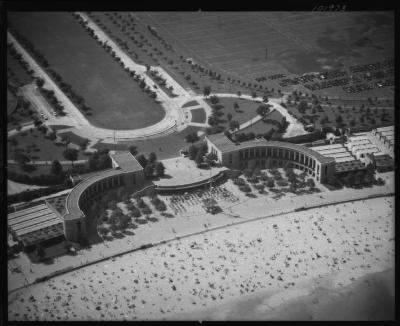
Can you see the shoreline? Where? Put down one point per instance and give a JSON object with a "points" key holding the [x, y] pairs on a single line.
{"points": [[210, 270], [322, 302], [306, 207]]}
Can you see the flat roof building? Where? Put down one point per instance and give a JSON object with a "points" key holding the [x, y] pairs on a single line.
{"points": [[126, 172], [384, 138], [338, 151], [35, 224], [125, 161], [277, 153]]}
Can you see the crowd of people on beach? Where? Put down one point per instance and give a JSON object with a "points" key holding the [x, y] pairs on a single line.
{"points": [[210, 268]]}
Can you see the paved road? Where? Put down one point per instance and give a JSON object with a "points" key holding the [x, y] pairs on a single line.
{"points": [[13, 132], [73, 112]]}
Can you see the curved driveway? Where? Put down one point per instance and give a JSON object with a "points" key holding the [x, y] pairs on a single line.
{"points": [[175, 119]]}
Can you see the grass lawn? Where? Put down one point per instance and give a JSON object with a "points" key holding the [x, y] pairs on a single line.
{"points": [[16, 72], [59, 127], [18, 118], [190, 103], [116, 100], [165, 147], [73, 138], [16, 115], [169, 60], [261, 127], [36, 170], [347, 114], [256, 44], [44, 150], [246, 111], [198, 115]]}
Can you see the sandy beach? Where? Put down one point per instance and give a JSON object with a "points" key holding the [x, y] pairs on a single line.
{"points": [[370, 297], [277, 259]]}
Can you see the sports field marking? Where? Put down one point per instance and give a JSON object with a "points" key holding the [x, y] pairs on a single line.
{"points": [[225, 35], [183, 45], [240, 43], [289, 37], [206, 24], [218, 33]]}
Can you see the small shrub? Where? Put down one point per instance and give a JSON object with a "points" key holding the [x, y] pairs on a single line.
{"points": [[245, 188], [146, 210]]}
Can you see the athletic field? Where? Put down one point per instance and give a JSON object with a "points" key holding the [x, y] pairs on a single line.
{"points": [[251, 44]]}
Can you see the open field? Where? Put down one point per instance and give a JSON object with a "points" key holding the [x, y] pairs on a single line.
{"points": [[153, 52], [116, 100], [296, 42], [335, 246], [165, 147]]}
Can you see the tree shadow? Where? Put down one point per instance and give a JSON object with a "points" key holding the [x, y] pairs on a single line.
{"points": [[141, 221], [119, 235], [168, 215], [127, 232], [133, 226], [47, 260], [152, 219], [166, 176]]}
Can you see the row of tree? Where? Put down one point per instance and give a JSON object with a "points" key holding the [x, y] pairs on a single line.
{"points": [[50, 97], [199, 155], [66, 88], [140, 80], [18, 57]]}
